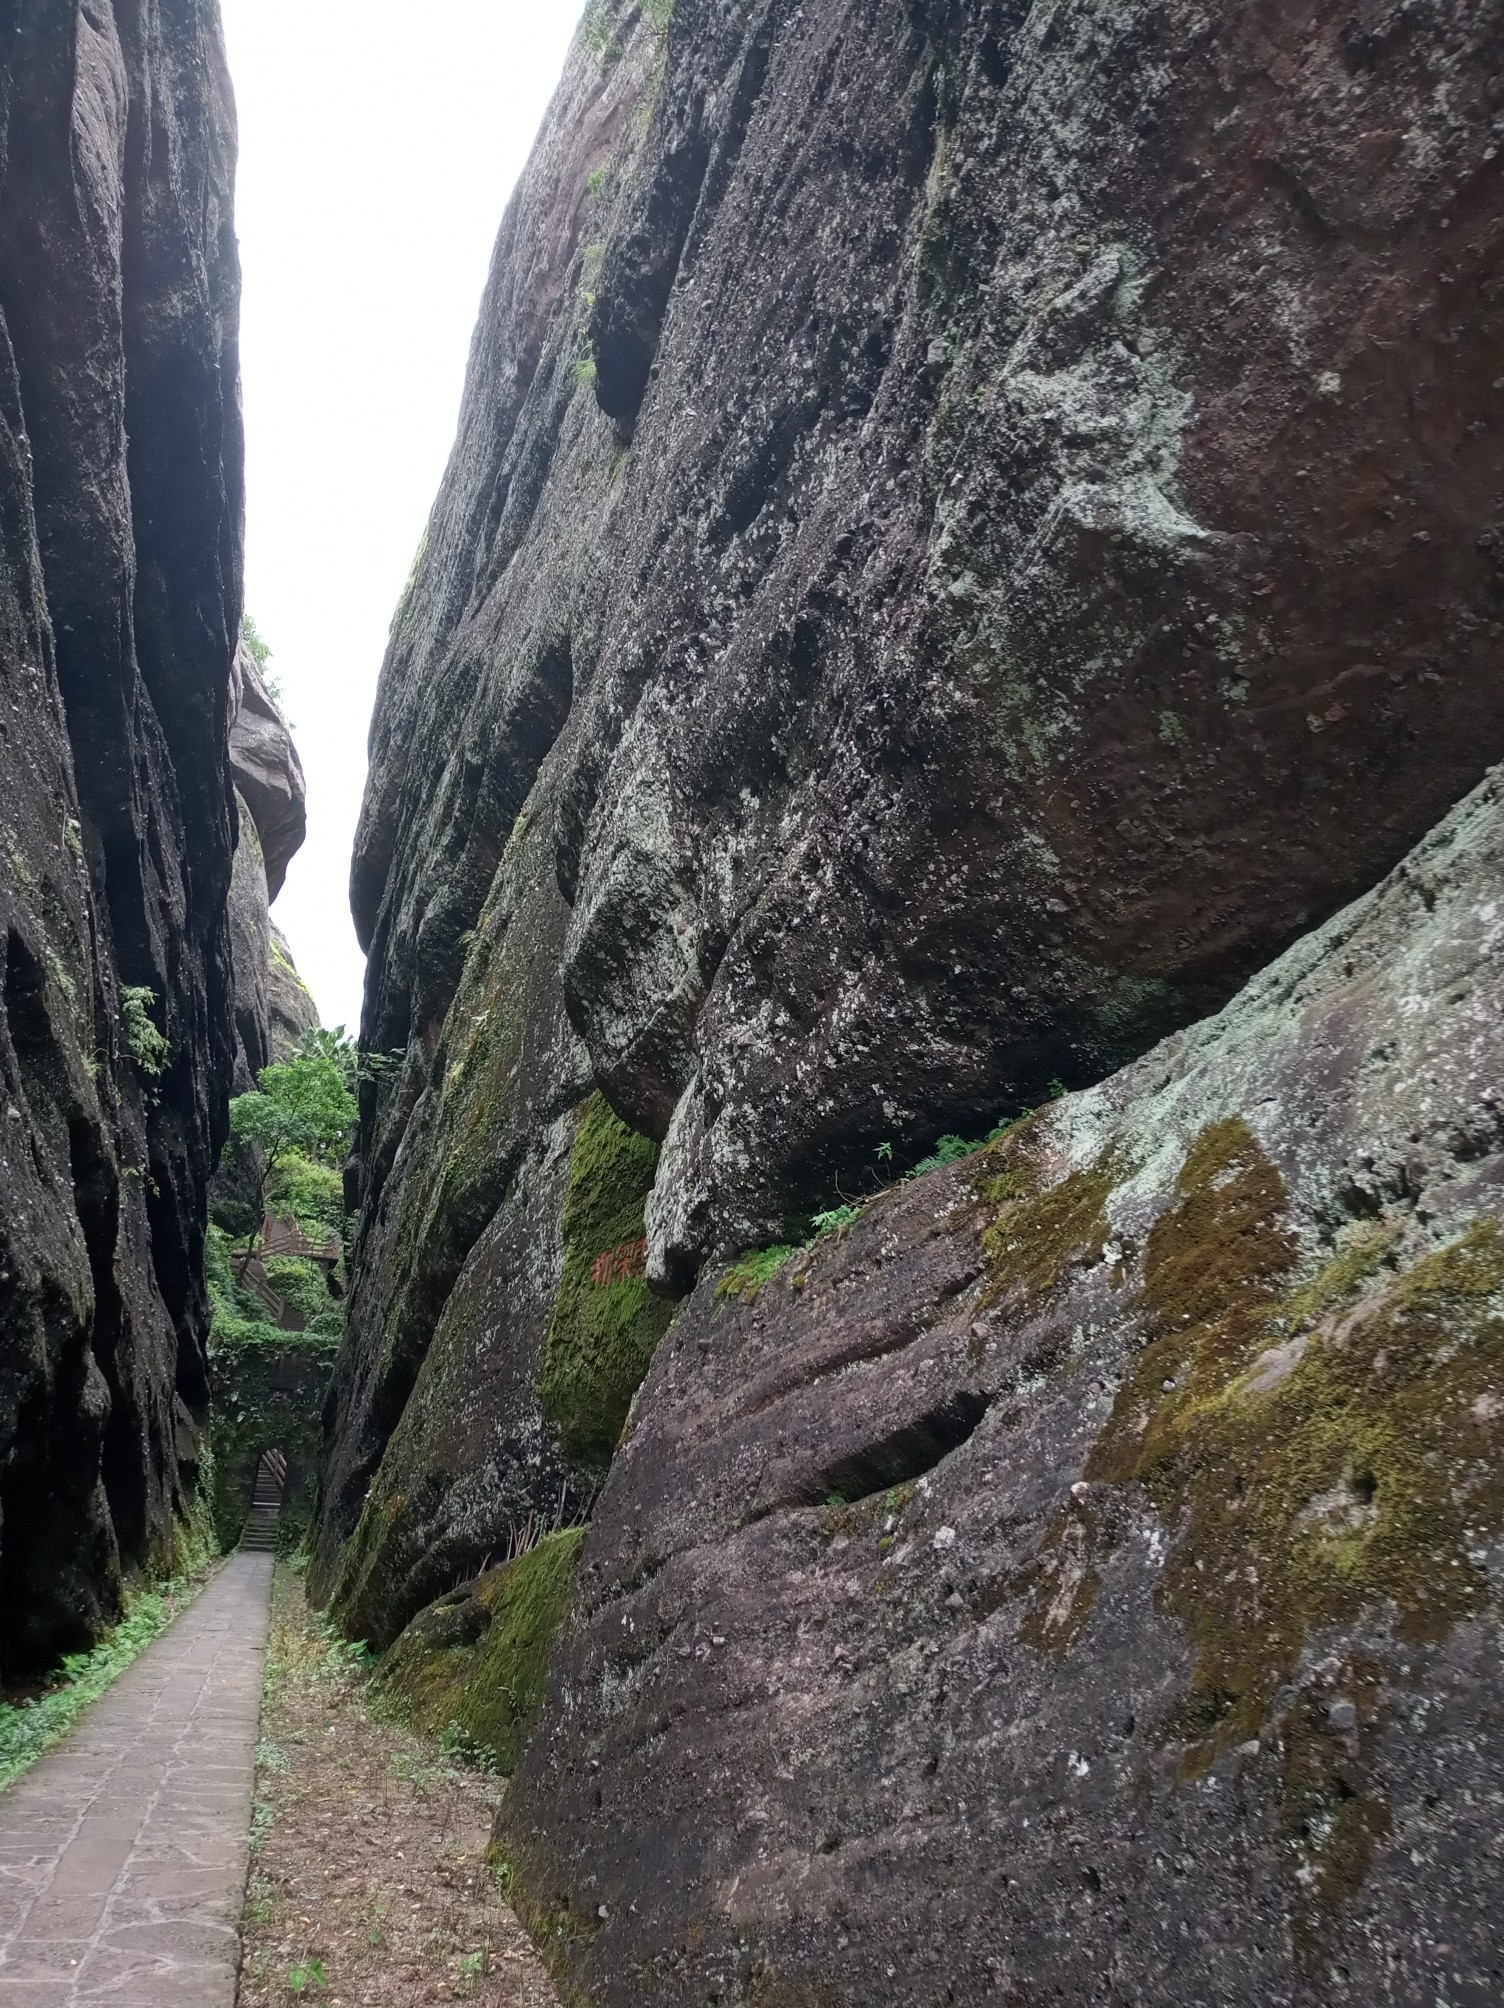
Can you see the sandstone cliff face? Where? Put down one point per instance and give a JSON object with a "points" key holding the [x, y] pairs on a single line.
{"points": [[970, 529], [1080, 1579], [120, 520], [290, 1005]]}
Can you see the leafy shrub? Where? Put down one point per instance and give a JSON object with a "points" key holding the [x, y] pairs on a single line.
{"points": [[261, 655], [952, 1148], [146, 1045], [299, 1114], [312, 1194], [746, 1277], [300, 1283]]}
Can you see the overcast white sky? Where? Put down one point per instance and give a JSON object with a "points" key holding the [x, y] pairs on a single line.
{"points": [[378, 144]]}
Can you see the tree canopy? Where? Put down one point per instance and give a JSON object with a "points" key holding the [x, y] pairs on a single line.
{"points": [[304, 1105]]}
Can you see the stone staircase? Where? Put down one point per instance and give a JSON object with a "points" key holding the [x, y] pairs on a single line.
{"points": [[260, 1536]]}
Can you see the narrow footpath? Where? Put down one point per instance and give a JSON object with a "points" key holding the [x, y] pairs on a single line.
{"points": [[123, 1852]]}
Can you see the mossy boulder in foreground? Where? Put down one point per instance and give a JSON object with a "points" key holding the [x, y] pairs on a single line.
{"points": [[471, 1667], [1079, 1579]]}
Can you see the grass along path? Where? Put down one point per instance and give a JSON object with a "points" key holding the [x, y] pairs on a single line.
{"points": [[368, 1886], [36, 1716]]}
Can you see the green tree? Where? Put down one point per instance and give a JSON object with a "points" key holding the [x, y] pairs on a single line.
{"points": [[303, 1108], [334, 1043]]}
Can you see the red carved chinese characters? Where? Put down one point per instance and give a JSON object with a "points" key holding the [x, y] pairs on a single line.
{"points": [[620, 1264]]}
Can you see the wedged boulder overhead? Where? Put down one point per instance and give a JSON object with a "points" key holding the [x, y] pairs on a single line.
{"points": [[267, 770], [1080, 1578], [250, 952], [970, 529], [120, 528], [272, 1004]]}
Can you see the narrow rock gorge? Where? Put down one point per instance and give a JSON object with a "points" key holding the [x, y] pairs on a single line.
{"points": [[974, 537], [917, 1311]]}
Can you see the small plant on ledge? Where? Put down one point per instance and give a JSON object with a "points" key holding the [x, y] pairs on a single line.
{"points": [[146, 1045]]}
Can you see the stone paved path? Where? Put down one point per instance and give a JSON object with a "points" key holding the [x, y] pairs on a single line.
{"points": [[123, 1852]]}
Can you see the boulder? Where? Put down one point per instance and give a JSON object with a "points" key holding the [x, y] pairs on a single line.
{"points": [[970, 529], [250, 952], [292, 1011], [267, 771], [1079, 1577]]}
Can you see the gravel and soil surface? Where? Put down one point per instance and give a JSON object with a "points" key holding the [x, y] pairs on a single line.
{"points": [[368, 1885]]}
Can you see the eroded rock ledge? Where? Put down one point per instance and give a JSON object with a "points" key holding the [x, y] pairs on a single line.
{"points": [[972, 529]]}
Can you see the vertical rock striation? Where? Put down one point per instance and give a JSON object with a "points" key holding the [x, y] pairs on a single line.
{"points": [[271, 1005], [120, 527]]}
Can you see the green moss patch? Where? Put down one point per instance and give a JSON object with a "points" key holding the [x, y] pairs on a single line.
{"points": [[472, 1667], [1324, 1446], [746, 1276], [606, 1322], [1040, 1231]]}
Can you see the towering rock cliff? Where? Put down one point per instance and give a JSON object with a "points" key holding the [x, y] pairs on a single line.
{"points": [[120, 526], [972, 529]]}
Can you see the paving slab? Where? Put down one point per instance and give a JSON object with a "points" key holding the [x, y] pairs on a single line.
{"points": [[123, 1852]]}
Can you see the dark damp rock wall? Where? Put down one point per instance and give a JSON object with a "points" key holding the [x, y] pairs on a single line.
{"points": [[970, 528], [1080, 1579], [120, 524]]}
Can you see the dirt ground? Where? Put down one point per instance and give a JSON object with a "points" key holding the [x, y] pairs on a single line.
{"points": [[368, 1886]]}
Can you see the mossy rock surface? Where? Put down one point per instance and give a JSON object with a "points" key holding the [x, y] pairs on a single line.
{"points": [[1118, 1511], [473, 1665], [606, 1322]]}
